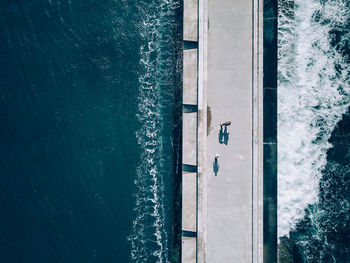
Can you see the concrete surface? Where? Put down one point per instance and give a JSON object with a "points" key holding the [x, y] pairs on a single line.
{"points": [[229, 205], [190, 76], [229, 218], [258, 149], [230, 88], [188, 250], [189, 202], [189, 138], [190, 22], [189, 134]]}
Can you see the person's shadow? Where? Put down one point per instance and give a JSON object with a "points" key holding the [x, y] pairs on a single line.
{"points": [[221, 136], [226, 136], [216, 166]]}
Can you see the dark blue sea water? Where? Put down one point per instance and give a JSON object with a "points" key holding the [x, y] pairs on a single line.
{"points": [[89, 130]]}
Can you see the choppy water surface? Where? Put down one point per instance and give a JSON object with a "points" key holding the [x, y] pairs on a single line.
{"points": [[89, 122], [313, 96], [158, 74]]}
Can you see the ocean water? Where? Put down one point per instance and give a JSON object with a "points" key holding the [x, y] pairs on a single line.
{"points": [[313, 130], [90, 100]]}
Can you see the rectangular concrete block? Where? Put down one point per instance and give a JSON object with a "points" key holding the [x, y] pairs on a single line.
{"points": [[190, 77], [189, 137], [189, 201], [188, 250], [190, 20]]}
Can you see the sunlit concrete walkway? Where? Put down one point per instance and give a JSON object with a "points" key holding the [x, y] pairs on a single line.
{"points": [[222, 213], [231, 200]]}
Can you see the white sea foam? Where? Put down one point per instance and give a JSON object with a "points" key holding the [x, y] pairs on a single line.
{"points": [[309, 100], [149, 237]]}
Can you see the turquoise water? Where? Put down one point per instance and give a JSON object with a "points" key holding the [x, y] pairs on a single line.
{"points": [[89, 115]]}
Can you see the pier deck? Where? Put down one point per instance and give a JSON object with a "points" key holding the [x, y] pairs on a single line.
{"points": [[228, 207], [230, 98]]}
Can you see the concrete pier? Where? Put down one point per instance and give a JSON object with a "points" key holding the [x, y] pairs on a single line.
{"points": [[222, 214], [189, 135]]}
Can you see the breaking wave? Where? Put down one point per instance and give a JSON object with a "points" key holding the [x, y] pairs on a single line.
{"points": [[313, 94]]}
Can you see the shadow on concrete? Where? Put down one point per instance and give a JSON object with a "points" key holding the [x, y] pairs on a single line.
{"points": [[226, 136], [190, 168], [216, 166], [223, 135], [186, 233], [188, 108], [190, 44]]}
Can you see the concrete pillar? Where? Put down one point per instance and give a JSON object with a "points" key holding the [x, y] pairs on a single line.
{"points": [[190, 20], [190, 76]]}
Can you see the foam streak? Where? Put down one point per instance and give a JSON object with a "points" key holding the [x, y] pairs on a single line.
{"points": [[313, 93], [149, 238]]}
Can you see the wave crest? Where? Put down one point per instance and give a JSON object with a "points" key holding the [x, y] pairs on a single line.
{"points": [[313, 93]]}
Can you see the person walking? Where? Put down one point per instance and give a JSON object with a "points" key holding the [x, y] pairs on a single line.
{"points": [[227, 123], [216, 155]]}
